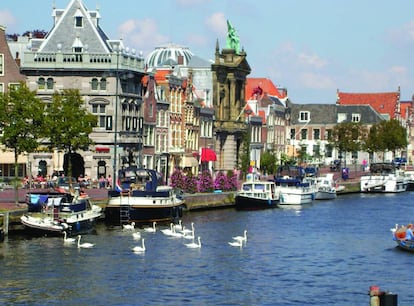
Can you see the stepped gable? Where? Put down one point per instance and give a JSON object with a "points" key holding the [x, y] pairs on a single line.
{"points": [[385, 103]]}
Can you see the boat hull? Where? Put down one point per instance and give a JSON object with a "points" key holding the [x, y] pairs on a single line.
{"points": [[250, 203], [382, 183], [325, 195], [295, 196], [143, 213]]}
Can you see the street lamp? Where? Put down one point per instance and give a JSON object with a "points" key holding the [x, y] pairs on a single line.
{"points": [[117, 50]]}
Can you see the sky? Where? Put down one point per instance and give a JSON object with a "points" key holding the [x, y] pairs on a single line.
{"points": [[310, 47]]}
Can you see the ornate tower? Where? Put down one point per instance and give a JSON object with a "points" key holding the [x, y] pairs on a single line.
{"points": [[230, 70]]}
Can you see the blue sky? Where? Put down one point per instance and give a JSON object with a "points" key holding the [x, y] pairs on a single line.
{"points": [[312, 48]]}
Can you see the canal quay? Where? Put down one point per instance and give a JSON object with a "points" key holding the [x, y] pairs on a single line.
{"points": [[10, 213]]}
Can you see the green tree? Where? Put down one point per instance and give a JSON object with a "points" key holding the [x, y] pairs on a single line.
{"points": [[268, 162], [348, 137], [386, 136], [69, 124], [21, 123], [244, 156]]}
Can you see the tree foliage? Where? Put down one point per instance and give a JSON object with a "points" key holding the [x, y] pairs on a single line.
{"points": [[348, 136], [386, 136], [268, 162], [21, 122], [69, 124]]}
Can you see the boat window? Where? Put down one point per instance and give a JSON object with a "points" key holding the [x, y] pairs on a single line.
{"points": [[259, 187], [247, 187]]}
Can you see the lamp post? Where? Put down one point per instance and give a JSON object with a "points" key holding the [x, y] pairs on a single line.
{"points": [[114, 174]]}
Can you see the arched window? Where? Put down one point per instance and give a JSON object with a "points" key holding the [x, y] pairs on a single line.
{"points": [[103, 84], [50, 83], [41, 83], [94, 84]]}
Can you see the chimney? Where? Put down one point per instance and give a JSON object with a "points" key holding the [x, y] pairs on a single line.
{"points": [[180, 60], [17, 59]]}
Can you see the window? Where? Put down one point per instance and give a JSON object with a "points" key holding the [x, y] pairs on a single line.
{"points": [[1, 64], [356, 117], [304, 134], [94, 84], [41, 83], [304, 116], [103, 84], [49, 83], [292, 133], [1, 87], [78, 21], [103, 121], [316, 134]]}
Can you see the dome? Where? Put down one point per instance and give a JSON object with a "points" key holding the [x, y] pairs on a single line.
{"points": [[169, 55]]}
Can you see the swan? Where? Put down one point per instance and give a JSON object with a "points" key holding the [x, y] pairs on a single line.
{"points": [[85, 244], [176, 234], [151, 229], [168, 231], [241, 238], [194, 245], [178, 226], [187, 230], [394, 229], [136, 235], [66, 239], [129, 226], [236, 243], [139, 249]]}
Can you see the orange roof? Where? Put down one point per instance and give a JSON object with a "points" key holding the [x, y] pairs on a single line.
{"points": [[406, 109], [383, 103], [261, 86]]}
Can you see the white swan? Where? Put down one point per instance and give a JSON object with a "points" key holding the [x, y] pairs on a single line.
{"points": [[85, 244], [151, 229], [129, 226], [241, 238], [68, 240], [136, 235], [176, 234], [139, 249], [194, 245], [236, 243], [187, 230], [178, 226], [168, 231]]}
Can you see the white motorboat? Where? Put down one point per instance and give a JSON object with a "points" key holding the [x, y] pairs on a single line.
{"points": [[59, 211], [325, 187], [384, 177], [291, 187]]}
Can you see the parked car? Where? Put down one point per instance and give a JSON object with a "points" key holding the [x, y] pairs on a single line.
{"points": [[335, 165], [63, 182], [399, 161]]}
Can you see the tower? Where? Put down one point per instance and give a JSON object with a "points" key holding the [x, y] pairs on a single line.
{"points": [[230, 70]]}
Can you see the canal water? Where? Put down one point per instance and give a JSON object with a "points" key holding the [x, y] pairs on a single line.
{"points": [[327, 253]]}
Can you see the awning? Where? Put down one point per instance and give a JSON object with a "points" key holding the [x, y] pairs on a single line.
{"points": [[208, 155], [101, 150]]}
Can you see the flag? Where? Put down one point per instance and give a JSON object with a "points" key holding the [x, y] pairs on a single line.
{"points": [[118, 186]]}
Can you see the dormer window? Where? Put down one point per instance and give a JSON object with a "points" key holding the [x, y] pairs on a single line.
{"points": [[356, 117], [78, 19], [304, 116]]}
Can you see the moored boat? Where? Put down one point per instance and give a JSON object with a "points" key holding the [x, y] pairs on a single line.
{"points": [[325, 187], [141, 198], [291, 187], [384, 177], [55, 212], [256, 194]]}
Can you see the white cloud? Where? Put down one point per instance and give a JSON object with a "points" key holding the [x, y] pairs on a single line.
{"points": [[142, 34], [311, 60], [217, 23], [7, 20]]}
